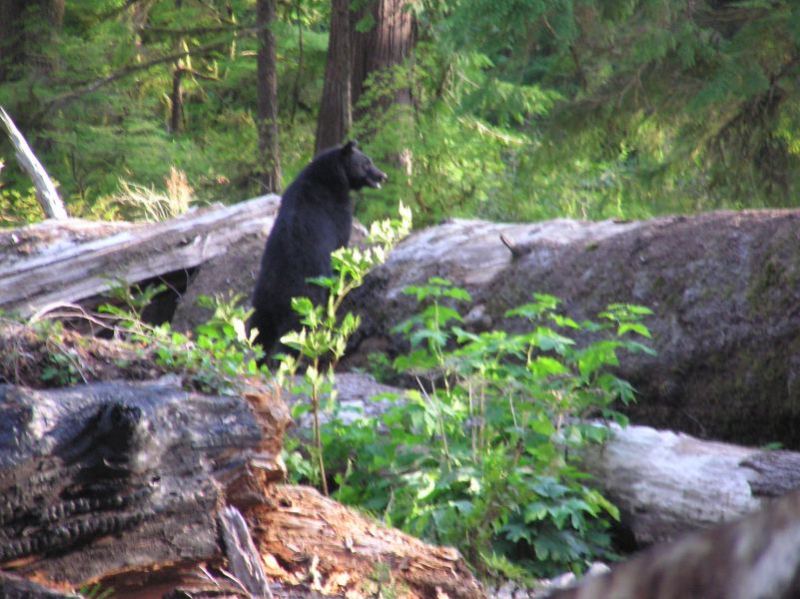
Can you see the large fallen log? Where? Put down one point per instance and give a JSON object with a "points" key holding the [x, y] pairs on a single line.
{"points": [[52, 262], [724, 286], [126, 485]]}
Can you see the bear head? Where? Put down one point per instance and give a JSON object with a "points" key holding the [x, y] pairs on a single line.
{"points": [[359, 168]]}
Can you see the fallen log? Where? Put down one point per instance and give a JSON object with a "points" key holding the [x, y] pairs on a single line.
{"points": [[723, 287], [122, 478], [127, 486], [667, 483], [68, 261]]}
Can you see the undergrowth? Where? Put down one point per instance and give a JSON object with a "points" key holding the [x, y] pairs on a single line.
{"points": [[482, 454]]}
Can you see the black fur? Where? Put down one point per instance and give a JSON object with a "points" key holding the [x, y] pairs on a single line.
{"points": [[314, 219]]}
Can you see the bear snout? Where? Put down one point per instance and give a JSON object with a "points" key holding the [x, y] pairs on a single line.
{"points": [[376, 177]]}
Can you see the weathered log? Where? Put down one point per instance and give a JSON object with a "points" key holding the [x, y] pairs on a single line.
{"points": [[48, 263], [758, 556], [667, 483], [115, 478], [724, 286]]}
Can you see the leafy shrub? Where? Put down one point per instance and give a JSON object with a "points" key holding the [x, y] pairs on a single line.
{"points": [[482, 455]]}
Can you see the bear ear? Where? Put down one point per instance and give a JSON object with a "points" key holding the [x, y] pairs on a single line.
{"points": [[349, 147]]}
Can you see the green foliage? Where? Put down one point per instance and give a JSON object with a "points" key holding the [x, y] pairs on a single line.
{"points": [[214, 361], [514, 110], [323, 339], [482, 455]]}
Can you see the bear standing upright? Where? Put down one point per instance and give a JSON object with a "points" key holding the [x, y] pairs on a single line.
{"points": [[314, 219]]}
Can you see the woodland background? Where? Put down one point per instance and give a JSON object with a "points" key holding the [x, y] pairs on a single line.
{"points": [[513, 110]]}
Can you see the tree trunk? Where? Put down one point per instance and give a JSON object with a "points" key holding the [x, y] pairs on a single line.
{"points": [[377, 53], [335, 113], [176, 112], [387, 44], [267, 90]]}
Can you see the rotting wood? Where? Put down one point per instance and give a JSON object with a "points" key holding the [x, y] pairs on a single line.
{"points": [[305, 537], [115, 477]]}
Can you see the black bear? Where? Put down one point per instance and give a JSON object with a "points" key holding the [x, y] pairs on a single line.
{"points": [[314, 219]]}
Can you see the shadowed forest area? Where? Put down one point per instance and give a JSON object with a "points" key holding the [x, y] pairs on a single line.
{"points": [[513, 110]]}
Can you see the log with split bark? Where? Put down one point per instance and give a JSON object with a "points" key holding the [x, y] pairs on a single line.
{"points": [[136, 487]]}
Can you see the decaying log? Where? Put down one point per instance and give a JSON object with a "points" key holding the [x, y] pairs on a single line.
{"points": [[335, 550], [758, 556], [723, 286], [46, 192], [47, 263], [126, 485], [115, 478]]}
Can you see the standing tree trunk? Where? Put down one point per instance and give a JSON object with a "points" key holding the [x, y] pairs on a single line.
{"points": [[336, 112], [267, 89], [387, 44], [377, 53], [176, 99]]}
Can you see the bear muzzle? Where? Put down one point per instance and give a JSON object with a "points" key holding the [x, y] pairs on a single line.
{"points": [[375, 177]]}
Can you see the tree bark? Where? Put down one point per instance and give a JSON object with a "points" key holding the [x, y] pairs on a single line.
{"points": [[176, 108], [380, 99], [387, 44], [335, 112], [267, 91], [116, 478]]}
